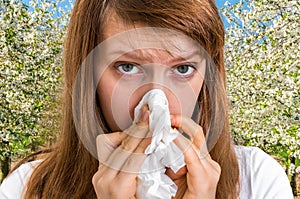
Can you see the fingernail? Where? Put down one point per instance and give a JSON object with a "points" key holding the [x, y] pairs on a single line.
{"points": [[145, 115], [172, 118]]}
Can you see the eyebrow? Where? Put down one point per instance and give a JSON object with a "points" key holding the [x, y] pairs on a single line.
{"points": [[140, 56]]}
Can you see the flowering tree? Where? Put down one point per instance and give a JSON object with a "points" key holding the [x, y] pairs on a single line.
{"points": [[263, 66], [30, 74]]}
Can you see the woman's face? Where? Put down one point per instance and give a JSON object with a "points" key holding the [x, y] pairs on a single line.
{"points": [[134, 59]]}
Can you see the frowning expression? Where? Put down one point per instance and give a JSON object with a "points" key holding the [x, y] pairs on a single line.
{"points": [[135, 59]]}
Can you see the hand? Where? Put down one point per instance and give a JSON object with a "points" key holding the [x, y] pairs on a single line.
{"points": [[121, 155], [200, 176]]}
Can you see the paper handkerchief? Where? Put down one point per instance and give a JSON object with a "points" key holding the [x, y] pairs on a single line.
{"points": [[162, 152]]}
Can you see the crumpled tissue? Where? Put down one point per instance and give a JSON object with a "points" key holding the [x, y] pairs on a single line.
{"points": [[162, 153]]}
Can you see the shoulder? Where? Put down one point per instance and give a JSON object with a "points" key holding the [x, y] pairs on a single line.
{"points": [[253, 155], [13, 185], [261, 176]]}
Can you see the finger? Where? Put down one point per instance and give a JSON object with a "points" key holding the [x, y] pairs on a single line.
{"points": [[106, 187], [107, 143], [201, 171], [129, 161], [123, 166], [137, 132], [111, 157], [194, 131], [143, 120], [132, 166], [141, 125], [135, 160], [191, 159], [196, 164], [130, 146], [191, 153], [96, 177]]}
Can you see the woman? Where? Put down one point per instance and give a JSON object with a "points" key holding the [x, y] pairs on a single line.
{"points": [[71, 169]]}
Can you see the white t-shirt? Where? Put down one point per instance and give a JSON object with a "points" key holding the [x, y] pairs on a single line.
{"points": [[261, 177]]}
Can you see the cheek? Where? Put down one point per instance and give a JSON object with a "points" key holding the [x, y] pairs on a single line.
{"points": [[118, 101], [105, 89], [184, 102], [104, 93], [114, 102]]}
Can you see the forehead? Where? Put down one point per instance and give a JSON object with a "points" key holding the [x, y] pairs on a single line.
{"points": [[136, 35]]}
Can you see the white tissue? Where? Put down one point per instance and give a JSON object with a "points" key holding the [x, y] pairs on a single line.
{"points": [[162, 152]]}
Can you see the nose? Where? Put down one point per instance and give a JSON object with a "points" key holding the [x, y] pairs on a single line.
{"points": [[174, 103], [156, 74], [156, 85], [157, 78]]}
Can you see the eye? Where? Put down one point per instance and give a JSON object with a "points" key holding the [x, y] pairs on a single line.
{"points": [[184, 70], [128, 68]]}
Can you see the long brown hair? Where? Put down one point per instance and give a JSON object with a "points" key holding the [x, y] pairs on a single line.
{"points": [[68, 169]]}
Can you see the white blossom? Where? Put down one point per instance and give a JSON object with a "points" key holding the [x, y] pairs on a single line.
{"points": [[30, 72], [263, 75]]}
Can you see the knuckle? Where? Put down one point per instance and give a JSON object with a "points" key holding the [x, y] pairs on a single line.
{"points": [[130, 161], [95, 180], [143, 145], [217, 168], [215, 172], [125, 146], [200, 133], [137, 130], [200, 129], [119, 188], [134, 163], [141, 123], [112, 188]]}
